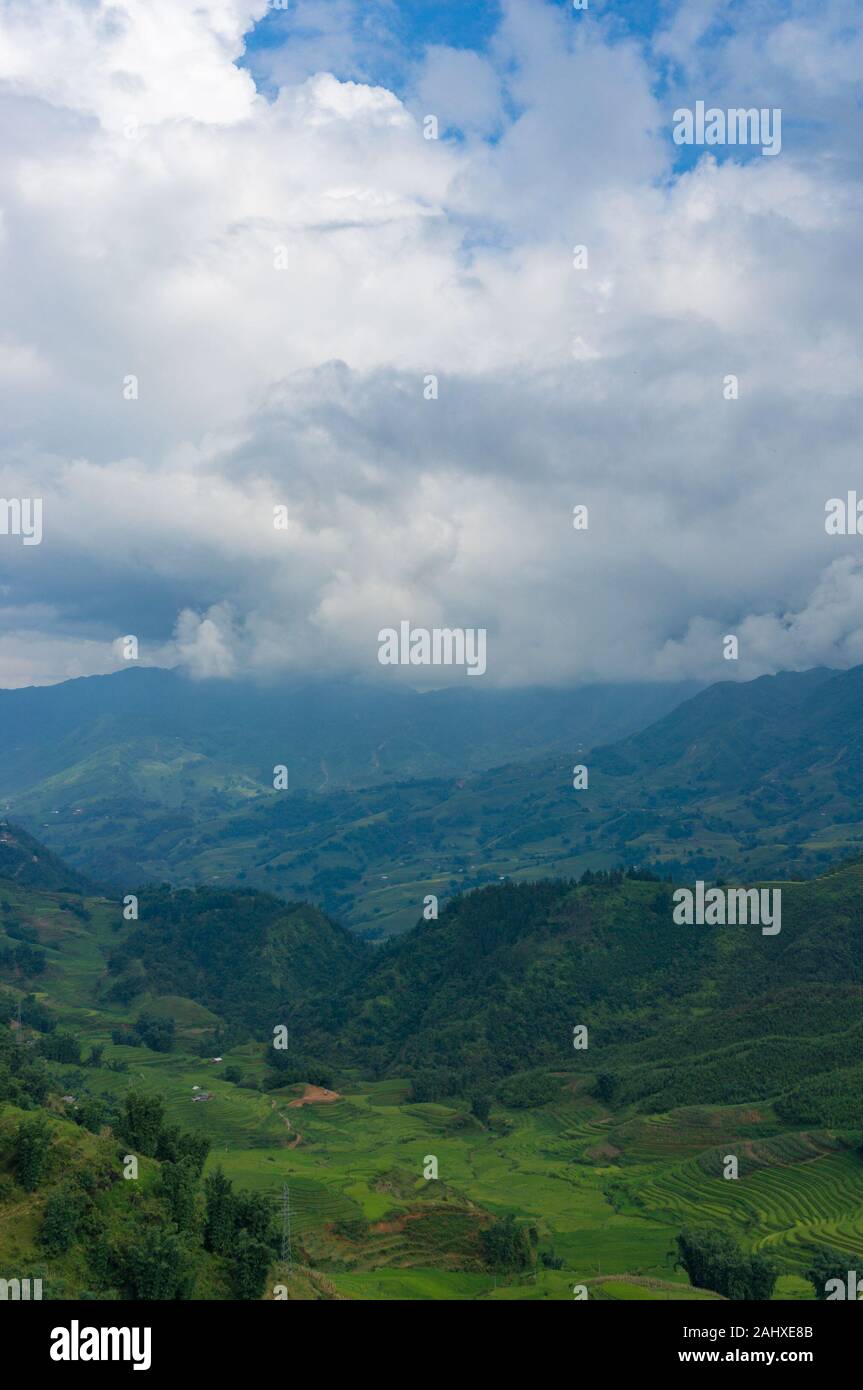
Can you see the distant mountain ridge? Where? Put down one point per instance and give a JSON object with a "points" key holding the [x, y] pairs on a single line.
{"points": [[734, 731], [755, 780], [157, 735]]}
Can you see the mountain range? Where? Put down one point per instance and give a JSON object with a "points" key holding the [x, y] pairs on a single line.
{"points": [[757, 779], [162, 738]]}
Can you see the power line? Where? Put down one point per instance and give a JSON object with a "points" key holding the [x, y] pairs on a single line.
{"points": [[287, 1256]]}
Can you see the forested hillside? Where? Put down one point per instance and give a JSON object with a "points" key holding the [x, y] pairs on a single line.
{"points": [[757, 779], [229, 1041]]}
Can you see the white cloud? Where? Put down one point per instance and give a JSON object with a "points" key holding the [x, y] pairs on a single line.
{"points": [[205, 644], [461, 88], [827, 631], [167, 60], [153, 252]]}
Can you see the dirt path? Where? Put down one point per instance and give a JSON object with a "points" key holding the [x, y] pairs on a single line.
{"points": [[298, 1138], [314, 1095]]}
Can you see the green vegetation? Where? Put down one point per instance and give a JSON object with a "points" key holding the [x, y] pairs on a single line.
{"points": [[740, 782], [554, 1165], [826, 1264], [714, 1260]]}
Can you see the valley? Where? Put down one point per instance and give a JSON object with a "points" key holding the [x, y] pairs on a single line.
{"points": [[739, 780], [452, 1042]]}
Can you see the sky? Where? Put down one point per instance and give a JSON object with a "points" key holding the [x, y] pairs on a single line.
{"points": [[231, 260]]}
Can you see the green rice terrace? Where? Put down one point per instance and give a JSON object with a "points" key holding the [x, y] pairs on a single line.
{"points": [[558, 1177]]}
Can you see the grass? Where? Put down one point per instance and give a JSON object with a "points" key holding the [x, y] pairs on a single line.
{"points": [[604, 1192]]}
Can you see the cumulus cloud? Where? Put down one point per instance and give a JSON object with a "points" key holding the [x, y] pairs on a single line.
{"points": [[827, 631], [125, 64], [461, 89], [281, 268], [205, 645]]}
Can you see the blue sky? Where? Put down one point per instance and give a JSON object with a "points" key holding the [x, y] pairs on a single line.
{"points": [[416, 23], [399, 31], [412, 24], [384, 42]]}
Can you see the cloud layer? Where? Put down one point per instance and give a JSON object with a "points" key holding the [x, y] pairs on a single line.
{"points": [[229, 275]]}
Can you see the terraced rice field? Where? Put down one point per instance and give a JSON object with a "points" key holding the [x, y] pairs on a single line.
{"points": [[793, 1192], [604, 1192]]}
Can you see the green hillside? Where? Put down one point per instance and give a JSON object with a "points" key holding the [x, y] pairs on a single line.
{"points": [[26, 862], [748, 780], [245, 956], [452, 1043], [153, 738]]}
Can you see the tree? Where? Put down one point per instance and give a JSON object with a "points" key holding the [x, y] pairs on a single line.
{"points": [[157, 1266], [61, 1047], [174, 1145], [221, 1213], [250, 1261], [825, 1264], [505, 1245], [61, 1221], [155, 1032], [179, 1186], [605, 1085], [93, 1113], [30, 1150], [480, 1108], [528, 1088], [254, 1215], [714, 1260], [433, 1084], [35, 1081], [141, 1121]]}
